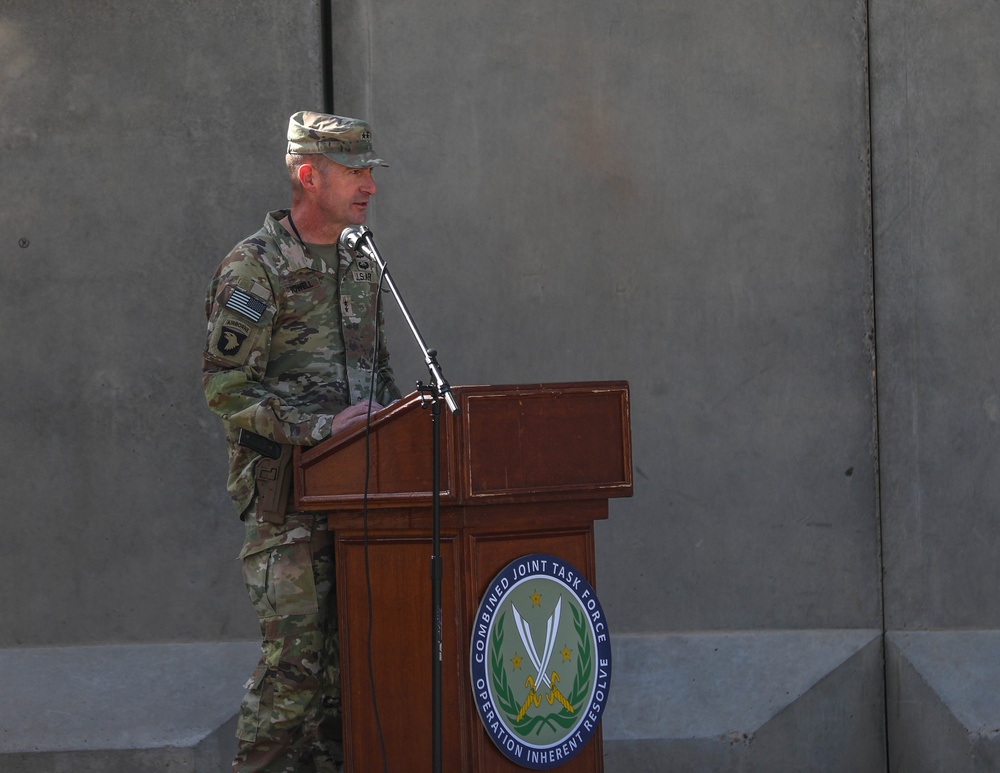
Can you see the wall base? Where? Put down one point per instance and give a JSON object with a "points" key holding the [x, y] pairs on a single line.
{"points": [[122, 709], [747, 701], [735, 701], [943, 690]]}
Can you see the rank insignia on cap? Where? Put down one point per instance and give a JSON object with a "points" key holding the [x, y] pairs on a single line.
{"points": [[244, 303]]}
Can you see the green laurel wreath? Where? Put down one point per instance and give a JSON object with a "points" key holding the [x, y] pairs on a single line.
{"points": [[581, 683]]}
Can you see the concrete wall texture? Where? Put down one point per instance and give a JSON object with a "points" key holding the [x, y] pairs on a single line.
{"points": [[776, 220]]}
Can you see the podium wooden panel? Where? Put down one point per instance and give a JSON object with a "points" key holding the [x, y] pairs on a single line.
{"points": [[524, 469]]}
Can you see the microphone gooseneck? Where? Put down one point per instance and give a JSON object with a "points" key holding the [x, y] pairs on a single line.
{"points": [[359, 239]]}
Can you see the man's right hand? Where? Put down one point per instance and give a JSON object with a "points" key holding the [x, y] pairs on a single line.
{"points": [[353, 414]]}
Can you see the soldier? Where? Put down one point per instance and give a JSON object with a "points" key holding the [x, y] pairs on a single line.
{"points": [[294, 354]]}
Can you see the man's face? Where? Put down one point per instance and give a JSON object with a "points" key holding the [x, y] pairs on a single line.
{"points": [[342, 193]]}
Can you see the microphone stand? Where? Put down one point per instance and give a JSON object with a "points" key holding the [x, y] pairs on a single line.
{"points": [[360, 239]]}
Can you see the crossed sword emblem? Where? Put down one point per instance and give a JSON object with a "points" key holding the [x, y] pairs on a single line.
{"points": [[541, 664]]}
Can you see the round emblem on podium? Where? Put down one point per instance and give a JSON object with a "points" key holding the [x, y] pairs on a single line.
{"points": [[540, 661]]}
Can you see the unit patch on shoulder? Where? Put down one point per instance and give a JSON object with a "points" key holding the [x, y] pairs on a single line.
{"points": [[541, 661], [246, 304], [230, 339]]}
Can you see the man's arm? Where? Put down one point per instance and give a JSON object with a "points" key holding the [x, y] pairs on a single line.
{"points": [[240, 307]]}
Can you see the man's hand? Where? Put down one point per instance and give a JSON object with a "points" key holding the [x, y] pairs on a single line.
{"points": [[353, 414]]}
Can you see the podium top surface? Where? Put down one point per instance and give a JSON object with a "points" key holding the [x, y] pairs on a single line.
{"points": [[508, 444]]}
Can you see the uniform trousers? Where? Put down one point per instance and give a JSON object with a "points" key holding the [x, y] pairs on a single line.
{"points": [[290, 716]]}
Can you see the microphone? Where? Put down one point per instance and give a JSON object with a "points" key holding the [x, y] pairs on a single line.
{"points": [[358, 238]]}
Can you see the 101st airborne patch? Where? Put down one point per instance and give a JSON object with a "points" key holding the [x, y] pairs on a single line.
{"points": [[540, 661], [231, 339]]}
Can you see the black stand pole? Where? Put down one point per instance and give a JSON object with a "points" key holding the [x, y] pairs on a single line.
{"points": [[437, 625], [437, 636], [359, 238]]}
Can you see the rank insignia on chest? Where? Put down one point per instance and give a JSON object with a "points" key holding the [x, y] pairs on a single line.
{"points": [[345, 306], [244, 303]]}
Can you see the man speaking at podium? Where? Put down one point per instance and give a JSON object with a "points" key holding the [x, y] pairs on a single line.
{"points": [[293, 354]]}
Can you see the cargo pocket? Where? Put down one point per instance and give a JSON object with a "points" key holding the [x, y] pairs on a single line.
{"points": [[255, 705], [280, 581], [292, 680]]}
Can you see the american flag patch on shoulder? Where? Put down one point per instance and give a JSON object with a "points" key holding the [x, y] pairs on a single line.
{"points": [[244, 303]]}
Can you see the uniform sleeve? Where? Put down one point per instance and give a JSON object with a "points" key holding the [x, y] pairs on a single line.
{"points": [[240, 307], [386, 390]]}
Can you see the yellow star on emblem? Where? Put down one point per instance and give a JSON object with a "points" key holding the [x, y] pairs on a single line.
{"points": [[536, 599], [567, 653], [516, 660]]}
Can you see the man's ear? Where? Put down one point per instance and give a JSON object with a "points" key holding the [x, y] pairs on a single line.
{"points": [[307, 175]]}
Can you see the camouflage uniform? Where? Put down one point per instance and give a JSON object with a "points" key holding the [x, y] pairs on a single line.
{"points": [[290, 716], [291, 334], [290, 339]]}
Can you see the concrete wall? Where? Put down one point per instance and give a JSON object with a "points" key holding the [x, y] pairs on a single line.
{"points": [[937, 177], [679, 195], [674, 194], [139, 142], [936, 196]]}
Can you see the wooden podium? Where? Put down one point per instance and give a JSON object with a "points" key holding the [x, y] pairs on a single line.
{"points": [[524, 469]]}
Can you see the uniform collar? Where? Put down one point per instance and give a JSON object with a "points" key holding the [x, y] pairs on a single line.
{"points": [[292, 250]]}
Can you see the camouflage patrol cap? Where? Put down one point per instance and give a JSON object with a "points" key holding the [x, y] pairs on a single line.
{"points": [[346, 141]]}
